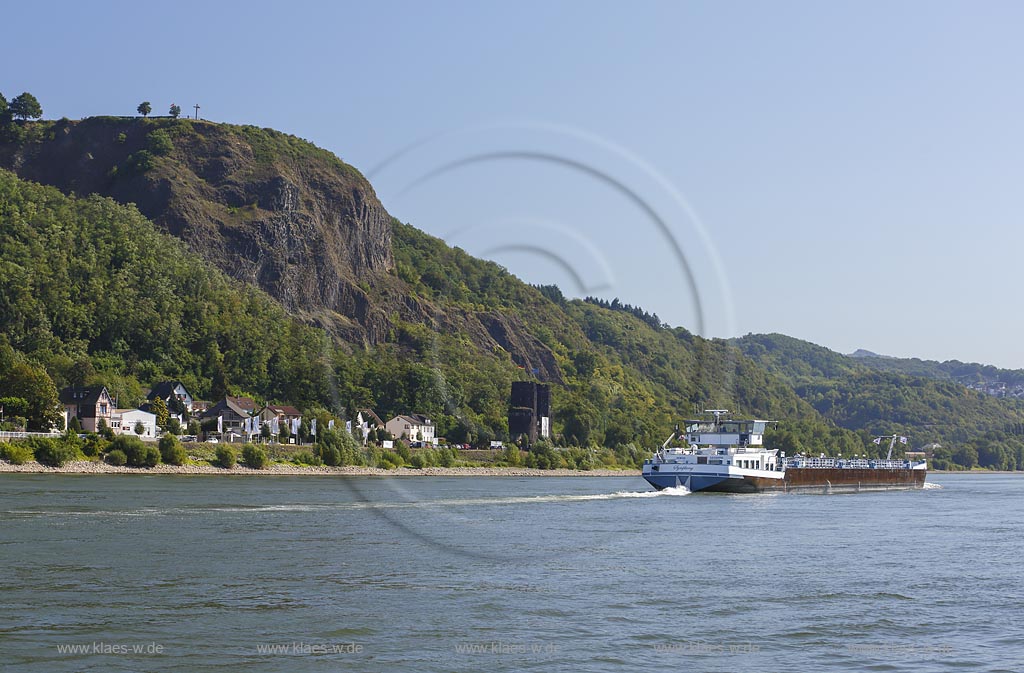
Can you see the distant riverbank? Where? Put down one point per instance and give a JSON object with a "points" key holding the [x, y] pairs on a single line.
{"points": [[96, 467]]}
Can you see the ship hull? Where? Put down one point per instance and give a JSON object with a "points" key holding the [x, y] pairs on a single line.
{"points": [[822, 480]]}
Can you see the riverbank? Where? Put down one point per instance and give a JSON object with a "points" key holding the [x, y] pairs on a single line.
{"points": [[96, 467]]}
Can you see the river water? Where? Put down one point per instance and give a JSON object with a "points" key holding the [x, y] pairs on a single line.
{"points": [[216, 573]]}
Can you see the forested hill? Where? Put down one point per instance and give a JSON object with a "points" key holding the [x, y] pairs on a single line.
{"points": [[92, 292], [974, 428], [245, 261]]}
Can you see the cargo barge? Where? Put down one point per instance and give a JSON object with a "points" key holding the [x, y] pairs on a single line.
{"points": [[727, 456]]}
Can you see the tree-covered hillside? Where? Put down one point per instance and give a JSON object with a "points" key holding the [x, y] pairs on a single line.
{"points": [[256, 263], [92, 292], [973, 428]]}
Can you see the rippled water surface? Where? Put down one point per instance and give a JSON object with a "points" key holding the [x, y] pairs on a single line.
{"points": [[211, 573]]}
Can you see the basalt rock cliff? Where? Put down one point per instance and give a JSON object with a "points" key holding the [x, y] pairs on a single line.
{"points": [[268, 209]]}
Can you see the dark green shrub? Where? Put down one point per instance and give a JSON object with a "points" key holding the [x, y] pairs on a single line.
{"points": [[254, 456], [94, 445], [159, 142], [417, 461], [117, 457], [402, 449], [305, 458], [390, 460], [15, 453], [329, 455], [171, 450], [226, 457], [141, 161], [51, 452], [137, 452]]}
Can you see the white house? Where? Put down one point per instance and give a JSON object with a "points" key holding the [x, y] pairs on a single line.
{"points": [[123, 422], [414, 427]]}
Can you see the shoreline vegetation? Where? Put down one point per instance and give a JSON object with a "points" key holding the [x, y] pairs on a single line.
{"points": [[278, 469]]}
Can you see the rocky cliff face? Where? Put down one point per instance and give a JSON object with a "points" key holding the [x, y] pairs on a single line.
{"points": [[300, 224], [266, 208]]}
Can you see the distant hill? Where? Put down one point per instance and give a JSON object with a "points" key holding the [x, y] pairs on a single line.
{"points": [[861, 353], [886, 395]]}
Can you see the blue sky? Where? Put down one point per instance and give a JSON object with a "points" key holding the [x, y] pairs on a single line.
{"points": [[846, 172]]}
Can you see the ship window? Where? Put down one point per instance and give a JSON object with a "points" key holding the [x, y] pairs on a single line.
{"points": [[702, 460]]}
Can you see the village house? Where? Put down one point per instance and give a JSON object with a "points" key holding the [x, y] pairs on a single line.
{"points": [[177, 397], [124, 422], [282, 412], [366, 420], [89, 405], [414, 428], [231, 415]]}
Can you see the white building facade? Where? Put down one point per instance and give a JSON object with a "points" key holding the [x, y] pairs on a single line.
{"points": [[123, 422], [414, 428]]}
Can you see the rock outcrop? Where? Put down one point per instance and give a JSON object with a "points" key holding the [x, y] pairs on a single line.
{"points": [[266, 208]]}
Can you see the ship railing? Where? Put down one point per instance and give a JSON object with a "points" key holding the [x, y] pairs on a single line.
{"points": [[849, 463]]}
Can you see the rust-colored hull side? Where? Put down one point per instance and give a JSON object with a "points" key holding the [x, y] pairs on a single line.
{"points": [[827, 479]]}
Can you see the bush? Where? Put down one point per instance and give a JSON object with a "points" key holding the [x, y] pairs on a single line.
{"points": [[16, 454], [51, 451], [417, 461], [117, 457], [329, 455], [305, 458], [141, 161], [226, 457], [389, 460], [254, 456], [171, 450], [402, 449], [137, 452], [94, 445], [159, 142]]}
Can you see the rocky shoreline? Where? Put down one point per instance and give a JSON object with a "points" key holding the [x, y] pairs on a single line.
{"points": [[278, 469]]}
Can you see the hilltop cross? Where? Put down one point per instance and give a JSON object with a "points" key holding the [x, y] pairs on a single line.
{"points": [[196, 106]]}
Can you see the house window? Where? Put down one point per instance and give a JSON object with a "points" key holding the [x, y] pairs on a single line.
{"points": [[103, 409]]}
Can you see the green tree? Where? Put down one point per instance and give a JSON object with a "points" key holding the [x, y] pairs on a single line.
{"points": [[175, 110], [26, 106], [159, 409], [140, 429], [32, 384], [145, 108], [171, 450]]}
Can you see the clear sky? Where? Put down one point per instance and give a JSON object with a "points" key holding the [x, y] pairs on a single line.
{"points": [[849, 173]]}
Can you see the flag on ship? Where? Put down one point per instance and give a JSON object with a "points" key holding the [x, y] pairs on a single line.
{"points": [[903, 440], [220, 424], [330, 424], [877, 440], [312, 428]]}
